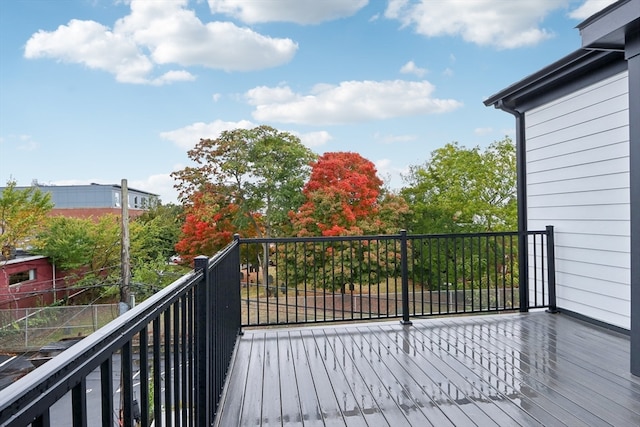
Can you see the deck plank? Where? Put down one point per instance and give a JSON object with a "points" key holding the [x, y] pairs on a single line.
{"points": [[326, 395], [419, 407], [512, 368], [252, 408], [475, 401], [375, 392], [481, 388], [289, 395], [303, 382], [237, 384], [507, 370], [360, 408], [585, 381], [271, 397]]}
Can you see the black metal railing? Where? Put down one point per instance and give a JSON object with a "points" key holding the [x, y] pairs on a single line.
{"points": [[163, 361], [328, 279], [167, 359]]}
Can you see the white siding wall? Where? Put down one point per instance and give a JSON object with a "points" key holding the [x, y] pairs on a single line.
{"points": [[578, 181]]}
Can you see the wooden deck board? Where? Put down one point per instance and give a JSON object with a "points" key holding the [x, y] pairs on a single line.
{"points": [[584, 381], [506, 370]]}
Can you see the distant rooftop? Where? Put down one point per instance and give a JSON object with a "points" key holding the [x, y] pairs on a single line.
{"points": [[94, 196]]}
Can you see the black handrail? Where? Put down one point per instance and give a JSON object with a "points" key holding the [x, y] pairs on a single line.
{"points": [[174, 321]]}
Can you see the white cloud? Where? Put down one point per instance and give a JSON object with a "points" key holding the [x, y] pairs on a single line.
{"points": [[392, 139], [188, 136], [411, 68], [21, 142], [159, 33], [161, 184], [95, 46], [297, 11], [392, 176], [589, 8], [349, 102], [499, 23], [314, 139]]}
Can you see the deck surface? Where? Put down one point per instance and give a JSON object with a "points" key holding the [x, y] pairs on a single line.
{"points": [[535, 369]]}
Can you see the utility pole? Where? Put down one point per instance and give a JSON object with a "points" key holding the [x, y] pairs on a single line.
{"points": [[124, 254]]}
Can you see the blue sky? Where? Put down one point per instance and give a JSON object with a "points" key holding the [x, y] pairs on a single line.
{"points": [[101, 90]]}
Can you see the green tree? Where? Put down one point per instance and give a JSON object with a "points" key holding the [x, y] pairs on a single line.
{"points": [[259, 173], [262, 170], [22, 212], [154, 234], [68, 242], [87, 251], [464, 189]]}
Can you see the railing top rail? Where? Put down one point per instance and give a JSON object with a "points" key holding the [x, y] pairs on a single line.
{"points": [[379, 237], [461, 235], [316, 238], [53, 379], [221, 254]]}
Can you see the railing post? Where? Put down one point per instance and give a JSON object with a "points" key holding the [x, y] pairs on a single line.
{"points": [[404, 261], [523, 270], [551, 270], [237, 304], [202, 313]]}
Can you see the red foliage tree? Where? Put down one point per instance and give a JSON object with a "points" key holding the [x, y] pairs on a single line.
{"points": [[209, 225], [341, 193]]}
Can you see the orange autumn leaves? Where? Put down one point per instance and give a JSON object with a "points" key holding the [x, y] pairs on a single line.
{"points": [[343, 197]]}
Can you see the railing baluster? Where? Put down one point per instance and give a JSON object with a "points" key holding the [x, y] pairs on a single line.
{"points": [[405, 278], [126, 381], [157, 379], [43, 420], [191, 357], [184, 360], [106, 392], [79, 404], [166, 347], [144, 376], [177, 377], [551, 269]]}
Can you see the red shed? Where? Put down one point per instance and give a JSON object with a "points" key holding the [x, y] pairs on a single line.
{"points": [[26, 282]]}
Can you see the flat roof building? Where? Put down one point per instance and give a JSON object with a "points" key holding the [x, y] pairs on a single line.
{"points": [[94, 200]]}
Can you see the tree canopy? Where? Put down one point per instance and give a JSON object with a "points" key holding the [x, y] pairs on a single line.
{"points": [[259, 171], [345, 196], [464, 189], [155, 233], [22, 212]]}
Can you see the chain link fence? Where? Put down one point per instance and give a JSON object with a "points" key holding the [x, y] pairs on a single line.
{"points": [[29, 329]]}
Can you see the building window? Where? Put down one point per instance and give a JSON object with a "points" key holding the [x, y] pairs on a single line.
{"points": [[22, 276]]}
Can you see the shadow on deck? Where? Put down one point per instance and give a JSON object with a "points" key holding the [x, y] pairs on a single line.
{"points": [[507, 369]]}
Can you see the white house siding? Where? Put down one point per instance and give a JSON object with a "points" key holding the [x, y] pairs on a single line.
{"points": [[578, 181]]}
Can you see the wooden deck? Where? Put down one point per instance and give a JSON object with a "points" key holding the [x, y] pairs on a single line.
{"points": [[507, 370]]}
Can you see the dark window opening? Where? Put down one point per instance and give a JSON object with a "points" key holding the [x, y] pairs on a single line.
{"points": [[23, 276]]}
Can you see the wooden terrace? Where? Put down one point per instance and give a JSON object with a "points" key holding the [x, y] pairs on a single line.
{"points": [[524, 369]]}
